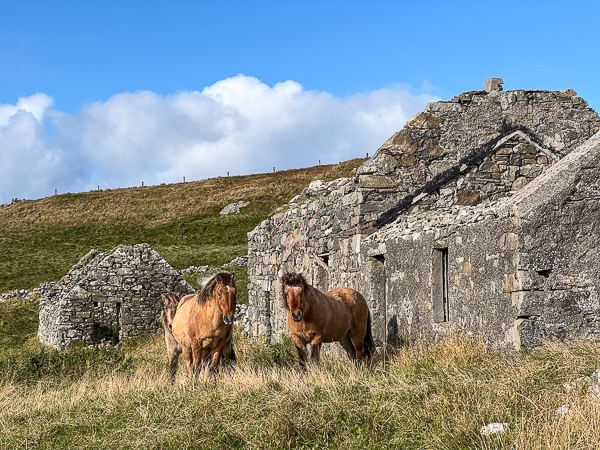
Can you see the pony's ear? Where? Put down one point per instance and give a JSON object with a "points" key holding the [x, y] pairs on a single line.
{"points": [[219, 279], [233, 277], [303, 281], [164, 299]]}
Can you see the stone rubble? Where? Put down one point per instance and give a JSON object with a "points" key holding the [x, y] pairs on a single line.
{"points": [[196, 269], [26, 294], [234, 208], [239, 261], [494, 428]]}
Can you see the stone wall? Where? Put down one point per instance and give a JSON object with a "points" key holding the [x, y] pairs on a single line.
{"points": [[557, 279], [108, 296], [448, 166], [479, 254]]}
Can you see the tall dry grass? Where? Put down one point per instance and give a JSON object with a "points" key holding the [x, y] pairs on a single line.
{"points": [[420, 397]]}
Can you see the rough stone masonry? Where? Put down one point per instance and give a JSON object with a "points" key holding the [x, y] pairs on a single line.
{"points": [[108, 296], [422, 230]]}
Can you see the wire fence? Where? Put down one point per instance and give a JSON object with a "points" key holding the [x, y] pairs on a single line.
{"points": [[256, 171]]}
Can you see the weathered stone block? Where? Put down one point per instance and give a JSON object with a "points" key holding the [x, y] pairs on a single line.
{"points": [[509, 241], [529, 333], [374, 181], [525, 148], [424, 120], [519, 183], [493, 84], [408, 160], [489, 166]]}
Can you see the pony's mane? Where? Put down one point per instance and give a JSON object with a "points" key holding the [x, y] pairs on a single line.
{"points": [[291, 279], [207, 286], [171, 300]]}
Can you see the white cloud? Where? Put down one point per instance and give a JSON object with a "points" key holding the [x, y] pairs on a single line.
{"points": [[30, 163], [239, 124]]}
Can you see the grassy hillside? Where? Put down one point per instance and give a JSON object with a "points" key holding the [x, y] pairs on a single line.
{"points": [[416, 397], [41, 239]]}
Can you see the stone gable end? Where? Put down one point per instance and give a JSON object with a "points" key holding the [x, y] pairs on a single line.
{"points": [[108, 296]]}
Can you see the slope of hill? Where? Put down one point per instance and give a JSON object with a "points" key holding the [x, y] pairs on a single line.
{"points": [[41, 239], [419, 396]]}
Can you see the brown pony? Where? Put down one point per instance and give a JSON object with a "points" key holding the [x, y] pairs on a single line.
{"points": [[313, 317], [171, 301], [203, 324]]}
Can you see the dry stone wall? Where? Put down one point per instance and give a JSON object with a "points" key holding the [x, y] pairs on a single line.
{"points": [[108, 296]]}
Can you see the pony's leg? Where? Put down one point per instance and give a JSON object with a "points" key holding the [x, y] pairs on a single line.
{"points": [[346, 343], [302, 357], [189, 359], [216, 358], [315, 351], [173, 360], [197, 352], [301, 348], [357, 337], [205, 360], [229, 354], [173, 352]]}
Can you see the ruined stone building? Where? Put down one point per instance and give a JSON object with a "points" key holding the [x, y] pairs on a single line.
{"points": [[481, 214], [108, 296]]}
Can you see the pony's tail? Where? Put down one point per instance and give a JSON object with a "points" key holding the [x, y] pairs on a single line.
{"points": [[368, 341]]}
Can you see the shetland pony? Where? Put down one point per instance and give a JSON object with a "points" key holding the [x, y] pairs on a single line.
{"points": [[203, 324], [170, 304], [314, 318]]}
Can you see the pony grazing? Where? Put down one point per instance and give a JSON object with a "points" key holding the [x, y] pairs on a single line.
{"points": [[170, 303], [203, 324], [313, 317]]}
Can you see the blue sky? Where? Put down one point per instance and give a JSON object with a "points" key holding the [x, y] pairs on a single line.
{"points": [[113, 93]]}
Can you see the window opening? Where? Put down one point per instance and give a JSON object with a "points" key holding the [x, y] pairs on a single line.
{"points": [[439, 293], [325, 258], [379, 297]]}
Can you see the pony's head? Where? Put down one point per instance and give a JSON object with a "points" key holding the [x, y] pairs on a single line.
{"points": [[293, 286], [221, 288], [170, 303]]}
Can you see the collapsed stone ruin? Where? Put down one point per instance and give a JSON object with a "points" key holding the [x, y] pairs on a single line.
{"points": [[108, 297], [481, 214]]}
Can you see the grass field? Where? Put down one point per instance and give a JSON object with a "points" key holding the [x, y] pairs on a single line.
{"points": [[414, 397], [435, 397], [41, 239]]}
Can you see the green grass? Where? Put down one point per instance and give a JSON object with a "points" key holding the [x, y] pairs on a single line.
{"points": [[41, 240], [18, 323]]}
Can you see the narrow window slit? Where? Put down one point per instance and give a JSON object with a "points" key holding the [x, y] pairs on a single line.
{"points": [[439, 291]]}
